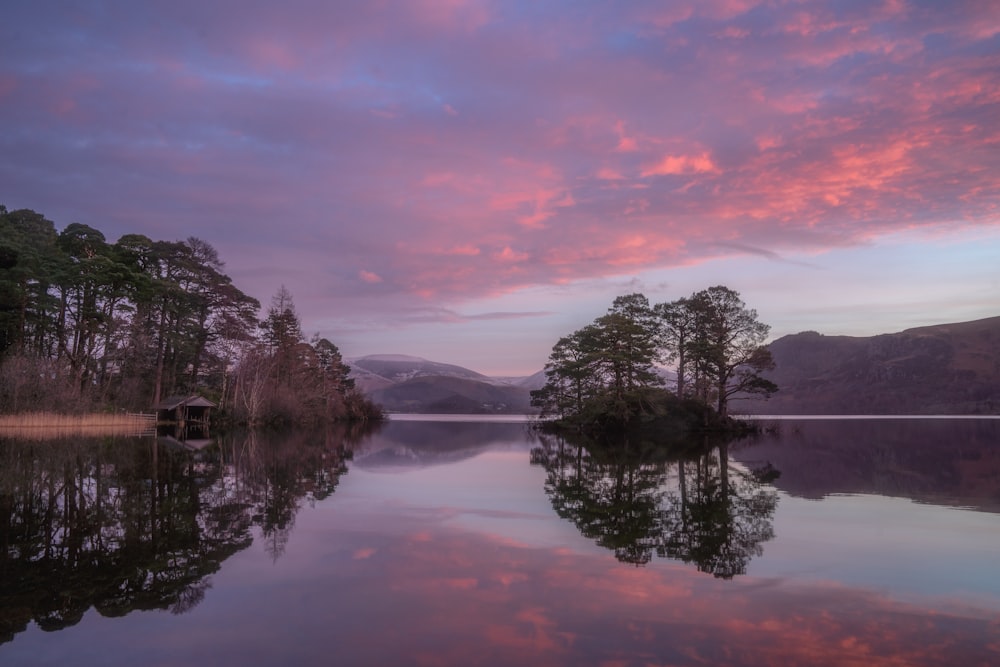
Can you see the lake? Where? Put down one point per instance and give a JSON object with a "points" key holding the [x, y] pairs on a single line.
{"points": [[477, 542]]}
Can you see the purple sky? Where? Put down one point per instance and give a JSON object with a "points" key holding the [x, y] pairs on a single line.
{"points": [[467, 181]]}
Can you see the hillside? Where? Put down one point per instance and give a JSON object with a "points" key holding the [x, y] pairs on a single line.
{"points": [[410, 384], [942, 369]]}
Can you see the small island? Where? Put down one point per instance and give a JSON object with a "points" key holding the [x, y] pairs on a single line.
{"points": [[609, 377]]}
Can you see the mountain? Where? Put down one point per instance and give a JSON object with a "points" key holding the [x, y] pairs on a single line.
{"points": [[941, 369], [401, 367], [402, 383], [531, 382]]}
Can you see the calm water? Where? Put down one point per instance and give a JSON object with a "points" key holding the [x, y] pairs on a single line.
{"points": [[871, 542]]}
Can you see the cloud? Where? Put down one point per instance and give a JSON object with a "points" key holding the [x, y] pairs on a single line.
{"points": [[592, 144], [681, 164], [445, 315]]}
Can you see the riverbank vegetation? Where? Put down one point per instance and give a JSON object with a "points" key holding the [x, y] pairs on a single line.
{"points": [[47, 425], [608, 375], [89, 325]]}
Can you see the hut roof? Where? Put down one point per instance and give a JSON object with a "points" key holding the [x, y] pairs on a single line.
{"points": [[173, 402]]}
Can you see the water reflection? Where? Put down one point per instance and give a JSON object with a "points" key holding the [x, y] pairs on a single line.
{"points": [[681, 502], [123, 524], [415, 444], [457, 556], [940, 461]]}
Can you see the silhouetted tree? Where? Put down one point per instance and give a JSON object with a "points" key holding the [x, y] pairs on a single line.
{"points": [[609, 367]]}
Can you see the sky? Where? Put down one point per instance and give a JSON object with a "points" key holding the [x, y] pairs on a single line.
{"points": [[469, 180]]}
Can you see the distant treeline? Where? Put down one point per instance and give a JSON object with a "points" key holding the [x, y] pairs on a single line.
{"points": [[87, 324]]}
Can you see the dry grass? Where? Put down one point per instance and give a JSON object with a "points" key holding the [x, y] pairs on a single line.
{"points": [[46, 425]]}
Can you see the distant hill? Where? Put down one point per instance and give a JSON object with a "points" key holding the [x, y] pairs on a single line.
{"points": [[942, 369], [403, 383], [532, 382]]}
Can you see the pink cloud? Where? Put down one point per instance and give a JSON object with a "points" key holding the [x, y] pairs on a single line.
{"points": [[591, 145], [439, 179], [608, 174], [626, 144], [465, 250], [511, 256], [274, 54], [465, 15], [700, 163]]}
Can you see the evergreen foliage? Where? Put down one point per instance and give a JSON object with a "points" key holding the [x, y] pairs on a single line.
{"points": [[87, 324], [607, 373]]}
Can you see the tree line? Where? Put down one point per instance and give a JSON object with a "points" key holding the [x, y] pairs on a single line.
{"points": [[86, 323], [611, 367]]}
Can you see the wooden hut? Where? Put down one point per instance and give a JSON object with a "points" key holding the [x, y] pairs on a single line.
{"points": [[184, 410]]}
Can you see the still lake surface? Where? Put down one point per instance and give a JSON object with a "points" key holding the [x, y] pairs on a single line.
{"points": [[457, 542]]}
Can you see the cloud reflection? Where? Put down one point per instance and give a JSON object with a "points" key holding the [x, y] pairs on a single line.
{"points": [[485, 601]]}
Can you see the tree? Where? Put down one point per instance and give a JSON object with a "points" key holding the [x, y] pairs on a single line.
{"points": [[85, 285], [728, 347], [677, 329], [570, 376], [287, 379], [28, 240], [608, 359], [629, 339], [282, 332]]}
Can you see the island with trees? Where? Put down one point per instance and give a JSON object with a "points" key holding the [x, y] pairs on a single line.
{"points": [[607, 375], [90, 325]]}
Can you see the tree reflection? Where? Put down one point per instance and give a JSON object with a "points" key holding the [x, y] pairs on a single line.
{"points": [[685, 503], [128, 524]]}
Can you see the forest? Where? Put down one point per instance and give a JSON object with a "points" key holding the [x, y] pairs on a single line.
{"points": [[87, 324]]}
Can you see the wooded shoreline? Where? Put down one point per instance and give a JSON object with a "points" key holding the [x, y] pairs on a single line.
{"points": [[89, 325]]}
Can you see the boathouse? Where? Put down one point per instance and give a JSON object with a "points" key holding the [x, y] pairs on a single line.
{"points": [[184, 410]]}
